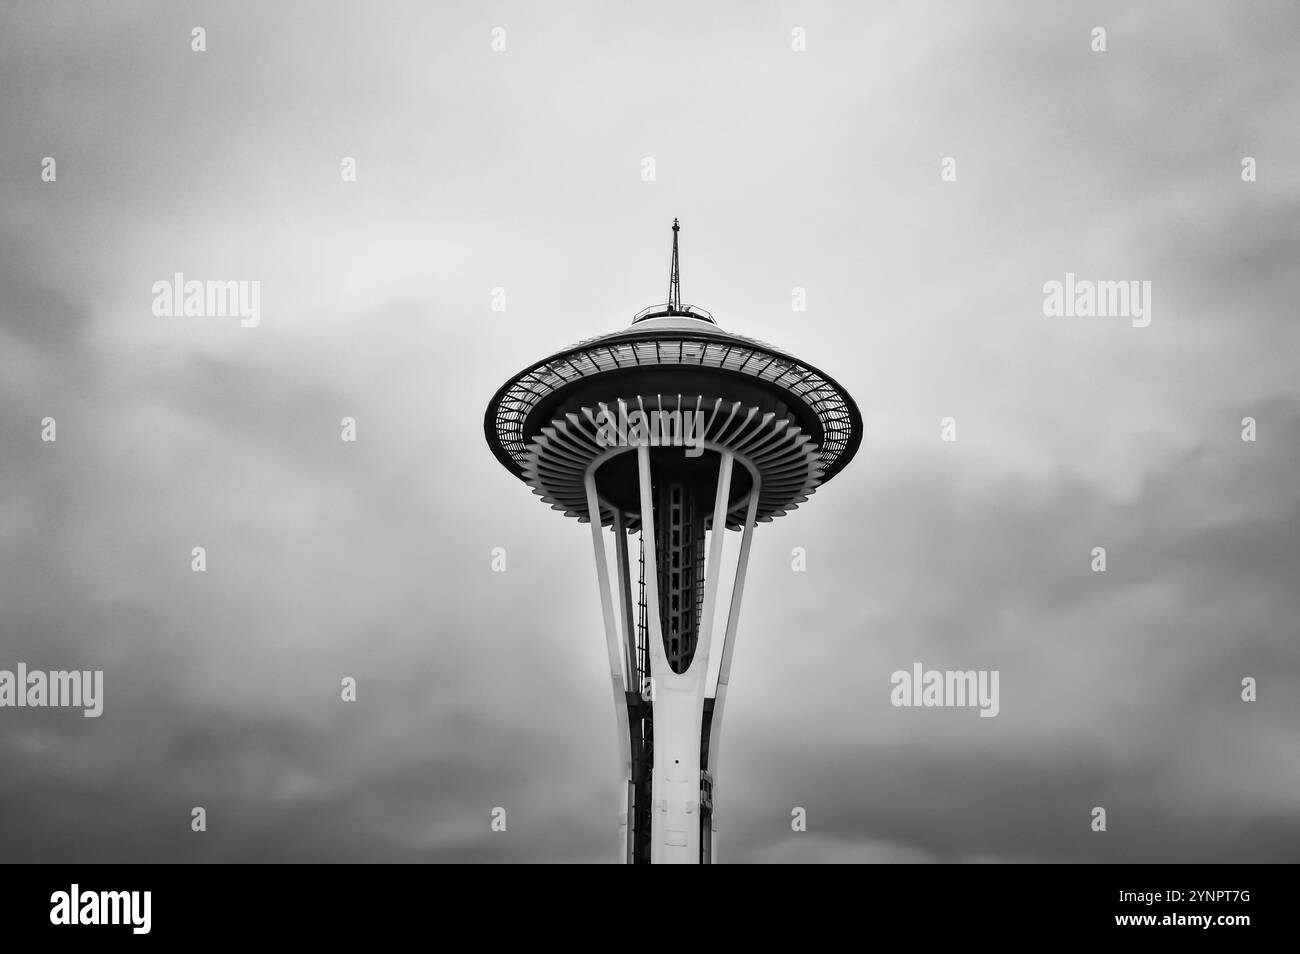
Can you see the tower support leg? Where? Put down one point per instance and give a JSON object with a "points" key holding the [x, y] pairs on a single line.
{"points": [[728, 650], [616, 671]]}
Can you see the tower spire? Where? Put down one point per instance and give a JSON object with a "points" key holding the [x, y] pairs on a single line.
{"points": [[675, 279]]}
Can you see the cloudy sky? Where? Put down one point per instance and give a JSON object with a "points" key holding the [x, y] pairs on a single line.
{"points": [[522, 170]]}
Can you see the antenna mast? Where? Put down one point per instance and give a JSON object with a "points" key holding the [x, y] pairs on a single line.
{"points": [[675, 279]]}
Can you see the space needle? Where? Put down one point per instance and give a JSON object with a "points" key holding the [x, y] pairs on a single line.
{"points": [[727, 432]]}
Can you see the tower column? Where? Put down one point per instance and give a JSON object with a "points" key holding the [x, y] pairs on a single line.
{"points": [[728, 650], [615, 654]]}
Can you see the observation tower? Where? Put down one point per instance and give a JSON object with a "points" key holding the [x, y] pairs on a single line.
{"points": [[664, 433]]}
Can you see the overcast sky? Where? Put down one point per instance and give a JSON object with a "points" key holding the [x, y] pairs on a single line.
{"points": [[523, 170]]}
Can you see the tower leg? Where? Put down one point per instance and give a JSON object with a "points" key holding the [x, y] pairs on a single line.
{"points": [[728, 650], [616, 672]]}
